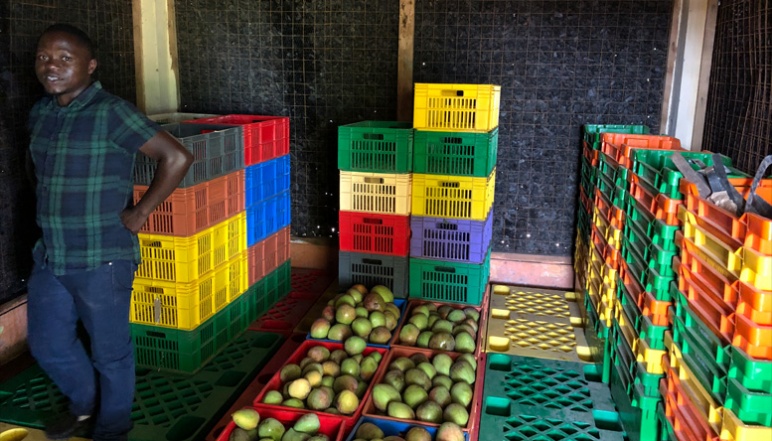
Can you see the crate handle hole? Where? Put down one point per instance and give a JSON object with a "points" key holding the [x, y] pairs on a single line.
{"points": [[374, 180], [372, 261], [450, 184], [447, 226], [452, 93], [500, 362], [452, 140], [375, 136], [156, 334], [370, 220], [445, 269]]}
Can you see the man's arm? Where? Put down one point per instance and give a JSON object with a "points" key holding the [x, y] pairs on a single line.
{"points": [[173, 162]]}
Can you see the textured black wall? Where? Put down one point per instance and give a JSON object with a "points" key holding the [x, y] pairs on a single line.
{"points": [[561, 64], [110, 25]]}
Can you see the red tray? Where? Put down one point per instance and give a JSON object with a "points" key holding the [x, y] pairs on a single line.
{"points": [[348, 421], [330, 425], [716, 313], [396, 352], [374, 233], [682, 413]]}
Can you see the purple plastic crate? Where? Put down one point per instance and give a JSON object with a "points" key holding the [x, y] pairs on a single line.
{"points": [[450, 239]]}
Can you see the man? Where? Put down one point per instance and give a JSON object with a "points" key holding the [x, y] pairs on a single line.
{"points": [[83, 144]]}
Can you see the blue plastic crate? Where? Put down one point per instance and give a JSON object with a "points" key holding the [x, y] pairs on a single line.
{"points": [[266, 179], [267, 217]]}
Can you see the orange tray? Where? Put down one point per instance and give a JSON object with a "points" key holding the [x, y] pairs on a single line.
{"points": [[590, 155], [613, 214], [711, 279], [655, 309], [634, 287], [759, 233], [683, 414], [658, 205], [753, 338], [585, 201], [619, 145], [714, 312], [755, 298]]}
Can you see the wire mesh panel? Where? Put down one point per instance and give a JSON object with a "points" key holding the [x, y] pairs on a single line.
{"points": [[738, 122]]}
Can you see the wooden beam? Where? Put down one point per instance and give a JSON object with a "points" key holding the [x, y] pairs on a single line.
{"points": [[136, 9], [705, 66], [155, 49], [405, 60]]}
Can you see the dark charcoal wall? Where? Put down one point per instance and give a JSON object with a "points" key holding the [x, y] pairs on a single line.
{"points": [[561, 64], [109, 23]]}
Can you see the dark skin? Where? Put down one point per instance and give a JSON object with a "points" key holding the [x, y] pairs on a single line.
{"points": [[64, 66]]}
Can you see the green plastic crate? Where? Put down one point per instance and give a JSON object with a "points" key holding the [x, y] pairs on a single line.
{"points": [[639, 413], [621, 178], [605, 185], [376, 146], [708, 342], [652, 334], [657, 169], [173, 350], [629, 304], [755, 375], [607, 166], [667, 432], [750, 407], [455, 153], [166, 406], [657, 284], [592, 132], [452, 282]]}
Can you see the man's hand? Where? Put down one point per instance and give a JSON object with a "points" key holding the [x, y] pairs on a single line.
{"points": [[133, 220]]}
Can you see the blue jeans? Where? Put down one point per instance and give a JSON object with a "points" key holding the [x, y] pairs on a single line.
{"points": [[102, 385]]}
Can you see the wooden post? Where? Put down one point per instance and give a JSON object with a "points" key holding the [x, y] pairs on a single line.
{"points": [[405, 60], [155, 55]]}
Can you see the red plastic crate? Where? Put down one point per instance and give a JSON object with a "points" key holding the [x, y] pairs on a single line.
{"points": [[682, 413], [266, 255], [396, 352], [348, 421], [190, 210], [329, 425], [374, 233], [265, 137]]}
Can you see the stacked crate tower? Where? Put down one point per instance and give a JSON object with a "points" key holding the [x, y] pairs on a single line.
{"points": [[266, 192], [188, 299], [454, 163], [666, 326], [193, 250], [375, 159]]}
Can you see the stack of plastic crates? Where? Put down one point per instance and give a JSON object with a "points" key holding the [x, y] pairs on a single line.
{"points": [[375, 159], [719, 364], [456, 146], [193, 250], [266, 191]]}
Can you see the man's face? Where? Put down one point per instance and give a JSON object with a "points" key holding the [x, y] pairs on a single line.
{"points": [[63, 66]]}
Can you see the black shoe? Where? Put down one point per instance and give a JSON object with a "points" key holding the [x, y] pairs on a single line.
{"points": [[65, 426]]}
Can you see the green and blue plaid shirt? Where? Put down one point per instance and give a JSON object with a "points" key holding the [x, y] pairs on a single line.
{"points": [[84, 159]]}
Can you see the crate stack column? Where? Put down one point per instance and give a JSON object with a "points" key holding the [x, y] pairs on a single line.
{"points": [[193, 250], [266, 190], [456, 130], [375, 159]]}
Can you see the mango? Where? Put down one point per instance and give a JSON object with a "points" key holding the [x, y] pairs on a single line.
{"points": [[368, 431], [273, 397], [320, 327], [290, 372], [423, 339], [418, 434], [345, 314], [449, 431], [462, 371], [442, 341], [456, 413], [380, 335], [246, 419], [430, 412], [271, 428], [386, 294], [346, 402], [414, 395], [461, 393], [398, 409], [299, 389], [361, 327], [319, 399], [354, 345], [308, 423], [465, 343], [383, 394], [409, 334], [395, 378]]}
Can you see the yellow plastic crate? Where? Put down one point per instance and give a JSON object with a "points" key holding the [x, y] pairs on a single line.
{"points": [[184, 306], [673, 351], [173, 305], [756, 269], [453, 197], [629, 334], [709, 409], [732, 429], [186, 259], [614, 237], [456, 107], [651, 358], [386, 193], [600, 222]]}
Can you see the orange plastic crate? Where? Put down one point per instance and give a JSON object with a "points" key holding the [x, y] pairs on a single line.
{"points": [[619, 145], [658, 205], [590, 155], [759, 233], [266, 255], [655, 309], [190, 210], [716, 313], [753, 338], [709, 278], [680, 409], [755, 298]]}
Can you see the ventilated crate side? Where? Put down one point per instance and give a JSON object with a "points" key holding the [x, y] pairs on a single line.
{"points": [[456, 107], [450, 239], [374, 269], [454, 197], [387, 193], [455, 153], [376, 146]]}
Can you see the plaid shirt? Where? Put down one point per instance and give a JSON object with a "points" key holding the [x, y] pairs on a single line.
{"points": [[84, 157]]}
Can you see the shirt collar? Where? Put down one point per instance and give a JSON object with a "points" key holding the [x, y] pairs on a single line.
{"points": [[82, 99]]}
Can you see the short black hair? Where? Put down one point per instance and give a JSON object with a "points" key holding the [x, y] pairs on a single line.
{"points": [[76, 32]]}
